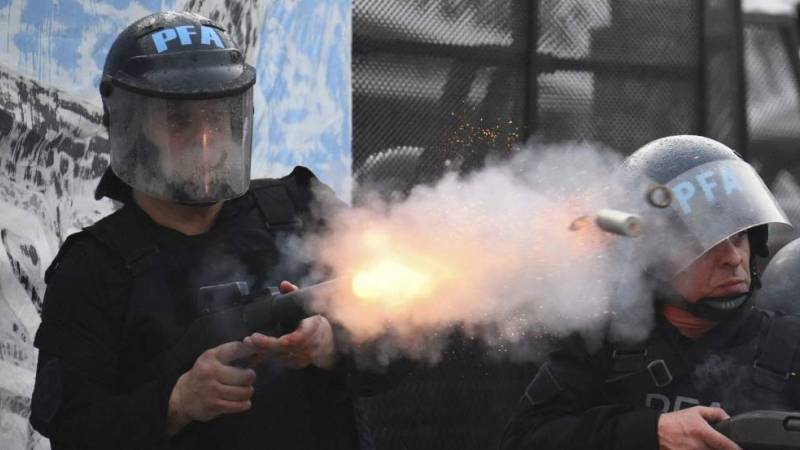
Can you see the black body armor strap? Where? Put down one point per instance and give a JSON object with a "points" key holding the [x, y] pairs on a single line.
{"points": [[645, 365], [277, 205]]}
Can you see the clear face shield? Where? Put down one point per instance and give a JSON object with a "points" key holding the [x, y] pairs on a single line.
{"points": [[705, 206], [185, 151]]}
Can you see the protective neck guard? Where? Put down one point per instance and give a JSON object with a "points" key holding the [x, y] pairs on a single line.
{"points": [[715, 309]]}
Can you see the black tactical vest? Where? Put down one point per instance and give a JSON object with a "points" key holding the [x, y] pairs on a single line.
{"points": [[753, 370], [164, 273]]}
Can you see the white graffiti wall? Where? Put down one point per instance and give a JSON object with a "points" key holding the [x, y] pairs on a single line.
{"points": [[53, 148]]}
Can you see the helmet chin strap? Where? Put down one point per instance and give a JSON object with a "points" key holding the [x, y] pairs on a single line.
{"points": [[715, 309]]}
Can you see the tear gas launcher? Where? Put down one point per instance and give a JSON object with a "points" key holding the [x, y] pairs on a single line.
{"points": [[229, 313], [763, 430]]}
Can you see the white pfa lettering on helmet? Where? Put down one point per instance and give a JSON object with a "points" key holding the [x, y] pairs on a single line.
{"points": [[712, 183], [714, 201], [184, 34]]}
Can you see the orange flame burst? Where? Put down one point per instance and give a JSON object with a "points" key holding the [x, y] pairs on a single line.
{"points": [[407, 273], [397, 274], [392, 282]]}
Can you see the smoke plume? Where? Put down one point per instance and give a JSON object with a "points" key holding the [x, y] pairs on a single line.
{"points": [[509, 253]]}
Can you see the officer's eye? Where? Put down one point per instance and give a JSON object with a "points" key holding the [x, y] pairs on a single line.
{"points": [[739, 238]]}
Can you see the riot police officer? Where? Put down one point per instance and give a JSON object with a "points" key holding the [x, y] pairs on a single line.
{"points": [[177, 98], [711, 354]]}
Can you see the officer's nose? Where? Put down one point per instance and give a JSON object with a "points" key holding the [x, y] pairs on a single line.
{"points": [[728, 254]]}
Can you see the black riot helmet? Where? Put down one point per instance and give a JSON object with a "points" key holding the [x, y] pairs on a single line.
{"points": [[698, 193], [781, 279], [177, 101]]}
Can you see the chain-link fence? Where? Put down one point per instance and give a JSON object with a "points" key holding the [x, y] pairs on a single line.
{"points": [[773, 96], [459, 80], [441, 85], [445, 77], [773, 108], [634, 73]]}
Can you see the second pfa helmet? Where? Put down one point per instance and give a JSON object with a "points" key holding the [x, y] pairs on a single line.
{"points": [[698, 193]]}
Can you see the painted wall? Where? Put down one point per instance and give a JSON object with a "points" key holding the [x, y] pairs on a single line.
{"points": [[53, 149]]}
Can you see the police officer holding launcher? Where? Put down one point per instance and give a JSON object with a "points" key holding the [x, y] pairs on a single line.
{"points": [[711, 353], [177, 97]]}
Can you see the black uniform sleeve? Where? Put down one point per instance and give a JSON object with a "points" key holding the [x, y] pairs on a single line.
{"points": [[77, 402], [563, 408]]}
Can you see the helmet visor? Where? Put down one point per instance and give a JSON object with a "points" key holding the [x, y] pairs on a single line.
{"points": [[187, 151], [713, 202]]}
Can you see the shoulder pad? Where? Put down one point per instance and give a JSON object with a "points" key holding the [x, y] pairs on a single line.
{"points": [[289, 200], [259, 183], [96, 232], [104, 229], [313, 190], [71, 240], [123, 235], [297, 185], [302, 175]]}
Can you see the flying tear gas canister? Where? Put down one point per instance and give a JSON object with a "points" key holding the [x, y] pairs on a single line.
{"points": [[619, 222], [611, 221]]}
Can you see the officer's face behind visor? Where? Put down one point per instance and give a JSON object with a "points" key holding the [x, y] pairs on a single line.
{"points": [[186, 151], [711, 204], [723, 271]]}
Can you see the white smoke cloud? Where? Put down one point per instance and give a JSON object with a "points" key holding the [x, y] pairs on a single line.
{"points": [[492, 252]]}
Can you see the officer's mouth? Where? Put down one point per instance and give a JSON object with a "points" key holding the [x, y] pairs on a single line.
{"points": [[732, 287]]}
